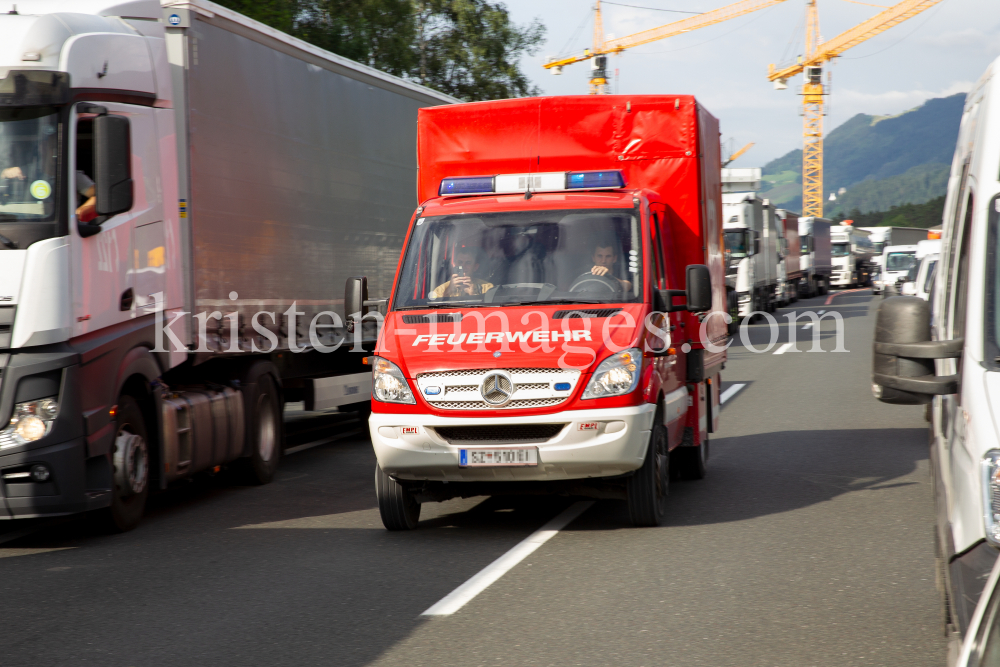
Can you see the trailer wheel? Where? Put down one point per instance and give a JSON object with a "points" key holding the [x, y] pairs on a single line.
{"points": [[265, 433], [647, 489], [691, 462], [130, 461], [399, 509]]}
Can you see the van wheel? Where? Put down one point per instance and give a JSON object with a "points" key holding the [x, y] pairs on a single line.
{"points": [[399, 509], [265, 433], [647, 489], [691, 462], [130, 469]]}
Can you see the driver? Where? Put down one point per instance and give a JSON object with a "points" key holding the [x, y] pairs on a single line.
{"points": [[464, 264], [604, 259]]}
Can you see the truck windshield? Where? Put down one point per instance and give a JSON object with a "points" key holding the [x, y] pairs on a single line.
{"points": [[879, 246], [522, 257], [29, 164], [900, 261], [736, 243], [840, 250]]}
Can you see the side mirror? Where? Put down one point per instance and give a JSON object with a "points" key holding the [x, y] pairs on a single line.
{"points": [[903, 363], [355, 295], [112, 165], [698, 288], [756, 246]]}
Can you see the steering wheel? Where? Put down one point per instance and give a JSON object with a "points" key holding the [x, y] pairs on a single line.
{"points": [[588, 282]]}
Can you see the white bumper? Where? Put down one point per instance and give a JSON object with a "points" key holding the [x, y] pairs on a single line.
{"points": [[617, 446]]}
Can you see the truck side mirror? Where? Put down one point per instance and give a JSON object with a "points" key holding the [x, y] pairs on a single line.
{"points": [[112, 165], [903, 363], [699, 288], [756, 246], [355, 295]]}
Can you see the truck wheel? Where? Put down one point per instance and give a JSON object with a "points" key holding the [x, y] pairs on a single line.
{"points": [[824, 288], [130, 461], [265, 433], [691, 462], [734, 312], [399, 509], [647, 489]]}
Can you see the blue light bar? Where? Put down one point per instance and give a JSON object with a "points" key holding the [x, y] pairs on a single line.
{"points": [[472, 185], [589, 180]]}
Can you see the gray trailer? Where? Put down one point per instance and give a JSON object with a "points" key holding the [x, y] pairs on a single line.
{"points": [[239, 177], [814, 260]]}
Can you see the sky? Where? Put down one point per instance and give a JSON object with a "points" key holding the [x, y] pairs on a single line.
{"points": [[939, 52]]}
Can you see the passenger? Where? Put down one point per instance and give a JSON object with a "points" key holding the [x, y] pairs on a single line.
{"points": [[464, 265], [604, 260]]}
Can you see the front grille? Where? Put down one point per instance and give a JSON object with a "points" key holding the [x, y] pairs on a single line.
{"points": [[461, 389], [483, 405], [585, 313], [494, 434], [6, 325], [433, 318]]}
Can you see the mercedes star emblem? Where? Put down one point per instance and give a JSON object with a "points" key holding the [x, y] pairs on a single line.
{"points": [[497, 388]]}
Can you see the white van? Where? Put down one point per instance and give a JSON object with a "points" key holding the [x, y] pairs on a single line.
{"points": [[953, 361], [897, 260]]}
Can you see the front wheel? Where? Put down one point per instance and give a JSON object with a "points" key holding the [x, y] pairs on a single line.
{"points": [[647, 489], [397, 506], [131, 467]]}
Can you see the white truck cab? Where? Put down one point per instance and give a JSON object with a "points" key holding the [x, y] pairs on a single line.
{"points": [[946, 354], [897, 260]]}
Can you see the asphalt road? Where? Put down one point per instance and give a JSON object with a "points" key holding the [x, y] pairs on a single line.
{"points": [[809, 543]]}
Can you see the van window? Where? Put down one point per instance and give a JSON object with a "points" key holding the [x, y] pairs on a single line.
{"points": [[900, 261], [962, 274], [929, 278], [992, 352]]}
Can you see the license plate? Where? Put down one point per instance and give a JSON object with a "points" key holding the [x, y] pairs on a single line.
{"points": [[498, 457]]}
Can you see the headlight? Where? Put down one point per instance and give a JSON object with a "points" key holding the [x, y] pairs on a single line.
{"points": [[31, 421], [617, 375], [991, 495], [388, 383]]}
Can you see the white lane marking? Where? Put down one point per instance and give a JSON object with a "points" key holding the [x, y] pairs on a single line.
{"points": [[324, 441], [784, 348], [458, 598], [731, 391], [807, 325]]}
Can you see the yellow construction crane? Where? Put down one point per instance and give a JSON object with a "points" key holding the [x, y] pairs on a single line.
{"points": [[598, 53], [737, 154], [813, 91]]}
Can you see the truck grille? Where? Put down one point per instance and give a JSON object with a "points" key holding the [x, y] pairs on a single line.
{"points": [[493, 434], [585, 313], [6, 325], [461, 389]]}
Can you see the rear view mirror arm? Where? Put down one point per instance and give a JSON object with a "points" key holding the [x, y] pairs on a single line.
{"points": [[934, 349], [932, 385]]}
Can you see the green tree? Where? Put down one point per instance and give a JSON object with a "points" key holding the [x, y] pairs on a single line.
{"points": [[470, 48]]}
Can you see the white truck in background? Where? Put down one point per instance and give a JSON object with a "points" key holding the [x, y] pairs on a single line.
{"points": [[240, 177], [751, 242], [789, 263], [814, 259], [851, 253], [881, 237]]}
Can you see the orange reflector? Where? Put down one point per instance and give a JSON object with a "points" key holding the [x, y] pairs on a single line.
{"points": [[216, 468], [113, 411], [671, 350]]}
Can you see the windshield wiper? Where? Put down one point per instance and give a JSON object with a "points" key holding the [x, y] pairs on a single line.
{"points": [[549, 302], [7, 242]]}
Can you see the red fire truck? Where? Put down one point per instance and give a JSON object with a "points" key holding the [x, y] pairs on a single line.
{"points": [[558, 320]]}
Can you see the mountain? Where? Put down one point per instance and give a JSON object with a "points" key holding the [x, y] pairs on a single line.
{"points": [[888, 160]]}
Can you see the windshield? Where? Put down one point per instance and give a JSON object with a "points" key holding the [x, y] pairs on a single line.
{"points": [[900, 261], [29, 164], [879, 246], [736, 243], [572, 256], [840, 250]]}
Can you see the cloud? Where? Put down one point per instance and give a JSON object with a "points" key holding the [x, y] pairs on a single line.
{"points": [[969, 38], [895, 101]]}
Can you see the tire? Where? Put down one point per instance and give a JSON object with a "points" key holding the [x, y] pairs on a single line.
{"points": [[690, 462], [824, 287], [265, 433], [397, 506], [130, 469], [734, 312], [647, 489]]}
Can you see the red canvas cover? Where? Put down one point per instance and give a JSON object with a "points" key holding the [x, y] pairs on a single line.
{"points": [[668, 144]]}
